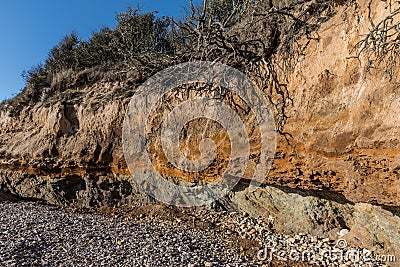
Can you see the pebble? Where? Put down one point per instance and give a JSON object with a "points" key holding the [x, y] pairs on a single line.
{"points": [[291, 240], [343, 232]]}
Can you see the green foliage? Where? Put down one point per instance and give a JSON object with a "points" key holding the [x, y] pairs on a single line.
{"points": [[36, 75], [63, 56], [137, 40], [141, 37], [99, 50]]}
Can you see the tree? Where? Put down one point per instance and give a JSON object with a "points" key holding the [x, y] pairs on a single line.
{"points": [[252, 36], [63, 55], [98, 51], [381, 45]]}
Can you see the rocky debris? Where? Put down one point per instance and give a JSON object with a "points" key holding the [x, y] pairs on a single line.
{"points": [[317, 251], [32, 234], [38, 235], [290, 211], [323, 215], [296, 247], [259, 235]]}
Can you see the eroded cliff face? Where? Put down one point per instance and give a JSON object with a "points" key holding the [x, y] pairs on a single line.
{"points": [[345, 122], [68, 153], [340, 169]]}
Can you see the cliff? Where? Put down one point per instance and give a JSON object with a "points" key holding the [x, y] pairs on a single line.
{"points": [[340, 168]]}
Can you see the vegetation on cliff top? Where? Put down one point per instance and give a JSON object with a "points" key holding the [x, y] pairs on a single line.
{"points": [[257, 37]]}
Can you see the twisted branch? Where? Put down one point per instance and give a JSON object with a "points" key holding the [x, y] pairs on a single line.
{"points": [[251, 37], [381, 46]]}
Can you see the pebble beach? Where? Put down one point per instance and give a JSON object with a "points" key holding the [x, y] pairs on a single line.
{"points": [[34, 234]]}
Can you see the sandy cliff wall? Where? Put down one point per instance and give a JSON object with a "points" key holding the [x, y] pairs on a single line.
{"points": [[345, 122]]}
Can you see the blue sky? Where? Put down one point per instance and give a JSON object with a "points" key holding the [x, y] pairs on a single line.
{"points": [[29, 29]]}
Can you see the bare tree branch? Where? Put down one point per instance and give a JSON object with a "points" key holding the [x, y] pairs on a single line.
{"points": [[381, 45]]}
